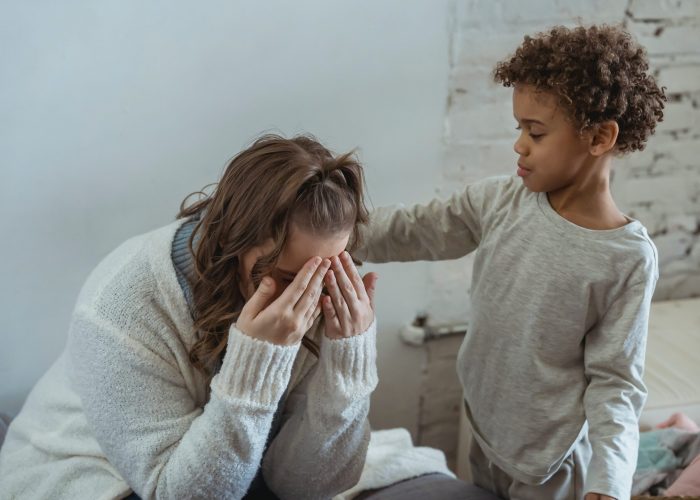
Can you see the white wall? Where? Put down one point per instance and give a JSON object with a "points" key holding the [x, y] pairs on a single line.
{"points": [[113, 111]]}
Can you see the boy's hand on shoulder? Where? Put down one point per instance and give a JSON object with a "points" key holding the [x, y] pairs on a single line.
{"points": [[598, 496]]}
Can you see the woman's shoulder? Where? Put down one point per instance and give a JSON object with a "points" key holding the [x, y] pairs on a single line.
{"points": [[137, 274]]}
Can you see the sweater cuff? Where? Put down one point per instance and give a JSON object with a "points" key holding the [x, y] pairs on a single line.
{"points": [[352, 362], [254, 370]]}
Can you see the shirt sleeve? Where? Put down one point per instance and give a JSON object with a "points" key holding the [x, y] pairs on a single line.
{"points": [[148, 424], [614, 364], [321, 447], [441, 229]]}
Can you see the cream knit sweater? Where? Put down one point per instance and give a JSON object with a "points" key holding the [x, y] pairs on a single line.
{"points": [[123, 408]]}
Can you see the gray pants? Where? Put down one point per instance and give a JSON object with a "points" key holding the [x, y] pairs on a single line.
{"points": [[565, 484]]}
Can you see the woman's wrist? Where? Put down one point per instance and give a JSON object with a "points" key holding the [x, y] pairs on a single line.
{"points": [[351, 361], [254, 369]]}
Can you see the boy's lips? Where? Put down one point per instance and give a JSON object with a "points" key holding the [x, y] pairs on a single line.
{"points": [[523, 170]]}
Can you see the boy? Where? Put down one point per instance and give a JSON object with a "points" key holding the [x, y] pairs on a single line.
{"points": [[552, 364]]}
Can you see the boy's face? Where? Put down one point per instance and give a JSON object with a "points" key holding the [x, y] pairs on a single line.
{"points": [[551, 153]]}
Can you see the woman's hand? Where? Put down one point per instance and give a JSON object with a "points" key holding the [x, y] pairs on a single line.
{"points": [[286, 320], [349, 307]]}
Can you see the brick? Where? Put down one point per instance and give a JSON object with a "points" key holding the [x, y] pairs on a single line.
{"points": [[471, 85], [680, 79], [483, 46], [651, 219], [470, 13], [547, 12], [536, 15], [649, 190], [672, 246], [681, 266], [695, 252], [667, 152], [660, 39], [678, 116], [678, 286], [682, 222], [664, 9]]}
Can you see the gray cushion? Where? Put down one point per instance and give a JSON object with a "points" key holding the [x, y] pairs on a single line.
{"points": [[428, 487]]}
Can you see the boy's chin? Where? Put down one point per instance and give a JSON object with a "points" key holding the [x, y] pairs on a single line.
{"points": [[531, 186]]}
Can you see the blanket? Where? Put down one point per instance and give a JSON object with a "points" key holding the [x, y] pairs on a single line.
{"points": [[663, 454], [391, 457]]}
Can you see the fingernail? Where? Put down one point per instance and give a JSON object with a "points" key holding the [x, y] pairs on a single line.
{"points": [[317, 260], [266, 281]]}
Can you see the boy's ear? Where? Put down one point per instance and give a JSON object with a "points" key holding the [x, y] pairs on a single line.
{"points": [[604, 137]]}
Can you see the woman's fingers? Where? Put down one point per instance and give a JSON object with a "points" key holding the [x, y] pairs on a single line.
{"points": [[309, 299], [339, 304], [347, 289], [370, 282], [330, 318], [354, 276], [261, 297], [298, 286], [312, 315]]}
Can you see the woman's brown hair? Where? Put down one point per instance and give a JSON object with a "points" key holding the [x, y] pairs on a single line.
{"points": [[266, 188]]}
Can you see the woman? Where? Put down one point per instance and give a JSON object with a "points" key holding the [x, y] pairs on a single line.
{"points": [[183, 376]]}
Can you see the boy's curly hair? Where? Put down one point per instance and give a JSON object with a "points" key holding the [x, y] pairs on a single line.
{"points": [[598, 73]]}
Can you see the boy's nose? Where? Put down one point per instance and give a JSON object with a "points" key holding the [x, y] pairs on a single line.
{"points": [[519, 147]]}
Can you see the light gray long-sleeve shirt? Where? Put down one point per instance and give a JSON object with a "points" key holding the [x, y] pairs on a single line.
{"points": [[557, 336]]}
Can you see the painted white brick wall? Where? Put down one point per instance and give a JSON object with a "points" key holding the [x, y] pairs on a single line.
{"points": [[660, 186]]}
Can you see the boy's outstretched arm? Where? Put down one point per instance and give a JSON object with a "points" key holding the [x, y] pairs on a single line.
{"points": [[614, 365], [438, 230]]}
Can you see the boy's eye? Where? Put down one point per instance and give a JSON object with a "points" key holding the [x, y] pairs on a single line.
{"points": [[536, 136]]}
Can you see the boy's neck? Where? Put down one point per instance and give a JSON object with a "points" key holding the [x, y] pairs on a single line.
{"points": [[588, 202]]}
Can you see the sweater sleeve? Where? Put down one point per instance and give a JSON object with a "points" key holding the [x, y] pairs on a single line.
{"points": [[321, 447], [441, 229], [613, 401], [150, 428]]}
